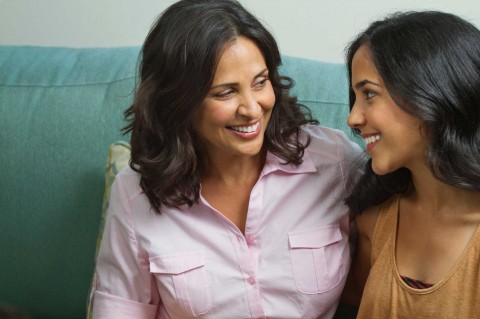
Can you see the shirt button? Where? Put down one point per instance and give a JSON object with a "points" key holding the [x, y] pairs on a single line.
{"points": [[250, 240], [251, 281]]}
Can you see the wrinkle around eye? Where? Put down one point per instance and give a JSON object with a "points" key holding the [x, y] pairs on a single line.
{"points": [[224, 94], [262, 83]]}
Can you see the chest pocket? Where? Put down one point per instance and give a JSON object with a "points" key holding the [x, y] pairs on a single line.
{"points": [[182, 283], [316, 256]]}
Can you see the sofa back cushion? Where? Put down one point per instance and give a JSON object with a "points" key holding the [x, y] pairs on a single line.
{"points": [[59, 110]]}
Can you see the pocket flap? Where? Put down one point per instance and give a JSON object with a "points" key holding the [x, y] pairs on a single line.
{"points": [[315, 237], [176, 263]]}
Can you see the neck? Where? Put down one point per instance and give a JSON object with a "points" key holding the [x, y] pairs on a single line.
{"points": [[231, 170], [438, 198]]}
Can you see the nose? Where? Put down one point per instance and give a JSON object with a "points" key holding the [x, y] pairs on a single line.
{"points": [[249, 106], [357, 118]]}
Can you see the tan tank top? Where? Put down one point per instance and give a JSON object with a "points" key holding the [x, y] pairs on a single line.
{"points": [[386, 295]]}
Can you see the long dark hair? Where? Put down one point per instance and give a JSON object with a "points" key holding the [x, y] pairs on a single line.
{"points": [[179, 58], [430, 64]]}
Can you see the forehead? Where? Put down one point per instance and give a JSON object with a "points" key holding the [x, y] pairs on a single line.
{"points": [[239, 49], [363, 67], [240, 52]]}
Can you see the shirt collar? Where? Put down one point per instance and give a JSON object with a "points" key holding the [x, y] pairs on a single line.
{"points": [[274, 163]]}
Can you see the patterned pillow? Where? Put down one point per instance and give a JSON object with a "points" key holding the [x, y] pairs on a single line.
{"points": [[118, 158]]}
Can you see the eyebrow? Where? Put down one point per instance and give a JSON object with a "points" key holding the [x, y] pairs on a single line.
{"points": [[259, 74], [365, 82]]}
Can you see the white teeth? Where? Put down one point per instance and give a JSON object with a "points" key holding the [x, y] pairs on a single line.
{"points": [[371, 139], [246, 129]]}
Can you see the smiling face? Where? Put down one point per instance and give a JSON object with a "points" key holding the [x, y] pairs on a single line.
{"points": [[234, 115], [392, 136]]}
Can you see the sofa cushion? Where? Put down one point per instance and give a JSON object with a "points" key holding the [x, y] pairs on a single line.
{"points": [[323, 88], [59, 110]]}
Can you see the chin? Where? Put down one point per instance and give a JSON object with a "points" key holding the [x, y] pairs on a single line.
{"points": [[380, 169], [252, 150], [253, 153]]}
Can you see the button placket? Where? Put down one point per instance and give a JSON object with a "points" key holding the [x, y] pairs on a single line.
{"points": [[246, 247]]}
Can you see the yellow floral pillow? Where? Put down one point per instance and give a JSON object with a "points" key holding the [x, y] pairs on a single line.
{"points": [[118, 158]]}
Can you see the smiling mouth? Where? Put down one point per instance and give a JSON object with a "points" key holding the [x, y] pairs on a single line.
{"points": [[245, 129], [371, 139]]}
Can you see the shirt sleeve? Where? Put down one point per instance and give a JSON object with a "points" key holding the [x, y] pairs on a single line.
{"points": [[123, 286], [351, 159], [351, 167]]}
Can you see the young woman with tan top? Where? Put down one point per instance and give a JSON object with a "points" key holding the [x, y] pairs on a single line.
{"points": [[415, 99]]}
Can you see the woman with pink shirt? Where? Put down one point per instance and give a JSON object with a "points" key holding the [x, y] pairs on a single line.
{"points": [[232, 206]]}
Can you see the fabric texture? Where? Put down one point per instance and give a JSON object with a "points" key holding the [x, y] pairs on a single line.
{"points": [[291, 262], [386, 295]]}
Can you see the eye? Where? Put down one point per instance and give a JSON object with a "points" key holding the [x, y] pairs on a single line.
{"points": [[225, 94], [261, 82], [369, 94]]}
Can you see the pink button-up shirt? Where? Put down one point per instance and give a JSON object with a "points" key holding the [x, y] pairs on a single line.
{"points": [[291, 262]]}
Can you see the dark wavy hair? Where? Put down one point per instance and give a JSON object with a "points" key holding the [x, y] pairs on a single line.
{"points": [[430, 64], [178, 63]]}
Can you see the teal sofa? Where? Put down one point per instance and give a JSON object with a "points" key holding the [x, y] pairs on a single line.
{"points": [[60, 109]]}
